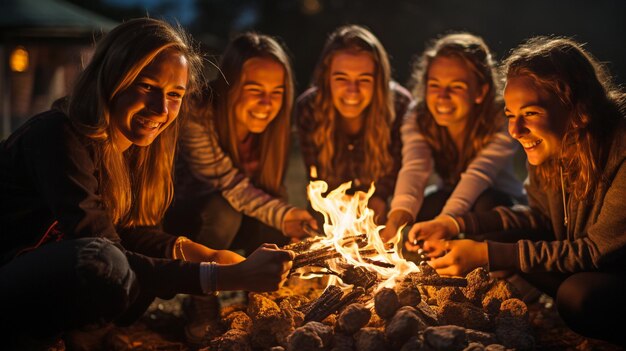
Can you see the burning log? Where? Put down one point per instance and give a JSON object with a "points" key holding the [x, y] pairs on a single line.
{"points": [[303, 245], [319, 256], [435, 280], [359, 276], [331, 301]]}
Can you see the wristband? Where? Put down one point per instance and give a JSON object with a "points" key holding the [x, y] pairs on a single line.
{"points": [[208, 278]]}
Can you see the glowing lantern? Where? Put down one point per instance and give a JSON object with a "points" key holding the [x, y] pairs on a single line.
{"points": [[18, 61]]}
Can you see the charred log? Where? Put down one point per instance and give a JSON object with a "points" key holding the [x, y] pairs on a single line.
{"points": [[331, 301], [435, 280]]}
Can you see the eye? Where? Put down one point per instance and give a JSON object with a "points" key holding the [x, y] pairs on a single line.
{"points": [[253, 91], [509, 115], [175, 95], [145, 86], [530, 113], [458, 87]]}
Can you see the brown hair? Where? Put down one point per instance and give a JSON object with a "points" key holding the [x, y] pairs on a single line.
{"points": [[584, 88], [220, 107], [136, 184], [379, 115], [487, 118]]}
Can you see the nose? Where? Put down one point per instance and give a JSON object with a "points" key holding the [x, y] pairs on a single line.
{"points": [[443, 93], [158, 104], [265, 100], [353, 87], [517, 127]]}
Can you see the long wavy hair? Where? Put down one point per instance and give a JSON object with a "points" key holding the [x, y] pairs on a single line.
{"points": [[136, 184], [486, 117], [226, 89], [379, 115], [585, 89]]}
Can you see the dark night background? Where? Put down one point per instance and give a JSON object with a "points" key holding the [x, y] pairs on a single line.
{"points": [[60, 38], [403, 26]]}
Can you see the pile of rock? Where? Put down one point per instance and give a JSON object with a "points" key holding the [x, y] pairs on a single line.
{"points": [[486, 314]]}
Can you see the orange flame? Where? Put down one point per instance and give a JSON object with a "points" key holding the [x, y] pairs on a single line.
{"points": [[347, 215]]}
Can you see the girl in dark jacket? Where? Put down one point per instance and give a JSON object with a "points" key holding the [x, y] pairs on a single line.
{"points": [[83, 187]]}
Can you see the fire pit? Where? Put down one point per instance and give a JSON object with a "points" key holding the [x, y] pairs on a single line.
{"points": [[368, 297]]}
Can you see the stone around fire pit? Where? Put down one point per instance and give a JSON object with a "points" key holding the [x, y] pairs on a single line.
{"points": [[447, 338], [353, 318], [478, 283], [232, 340], [465, 315], [404, 324], [513, 327], [312, 336], [408, 295], [370, 339], [449, 293], [386, 303], [342, 342], [271, 324]]}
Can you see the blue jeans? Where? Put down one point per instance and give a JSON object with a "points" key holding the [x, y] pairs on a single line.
{"points": [[65, 285]]}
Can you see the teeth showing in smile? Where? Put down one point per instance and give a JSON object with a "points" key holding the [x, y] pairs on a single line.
{"points": [[530, 145], [259, 115], [147, 123], [444, 109], [351, 101]]}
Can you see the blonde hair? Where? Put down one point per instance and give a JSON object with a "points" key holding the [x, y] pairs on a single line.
{"points": [[274, 141], [584, 88], [136, 185], [487, 118], [379, 115]]}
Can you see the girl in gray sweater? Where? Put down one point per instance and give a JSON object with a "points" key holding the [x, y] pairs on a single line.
{"points": [[571, 240]]}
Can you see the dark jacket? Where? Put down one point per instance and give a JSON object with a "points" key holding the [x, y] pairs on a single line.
{"points": [[350, 151], [48, 174], [594, 238]]}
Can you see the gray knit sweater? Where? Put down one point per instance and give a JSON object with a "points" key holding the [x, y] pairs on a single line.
{"points": [[593, 239]]}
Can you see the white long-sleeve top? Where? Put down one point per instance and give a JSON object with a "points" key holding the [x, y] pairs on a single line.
{"points": [[492, 167]]}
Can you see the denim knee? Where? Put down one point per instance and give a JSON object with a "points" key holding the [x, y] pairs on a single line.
{"points": [[105, 278]]}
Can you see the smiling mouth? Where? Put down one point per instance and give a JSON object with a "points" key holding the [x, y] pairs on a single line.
{"points": [[531, 145], [444, 110], [148, 123], [351, 102], [258, 115]]}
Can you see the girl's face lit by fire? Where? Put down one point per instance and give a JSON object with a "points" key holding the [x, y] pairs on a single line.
{"points": [[352, 82], [452, 92], [536, 119], [139, 113], [260, 98]]}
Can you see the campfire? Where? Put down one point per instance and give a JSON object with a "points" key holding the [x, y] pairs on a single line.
{"points": [[368, 297]]}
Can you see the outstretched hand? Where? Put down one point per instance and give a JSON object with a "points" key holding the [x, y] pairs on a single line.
{"points": [[459, 256], [440, 228], [266, 269], [294, 221], [395, 221]]}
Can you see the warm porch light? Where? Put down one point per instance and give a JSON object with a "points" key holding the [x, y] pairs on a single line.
{"points": [[18, 61]]}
